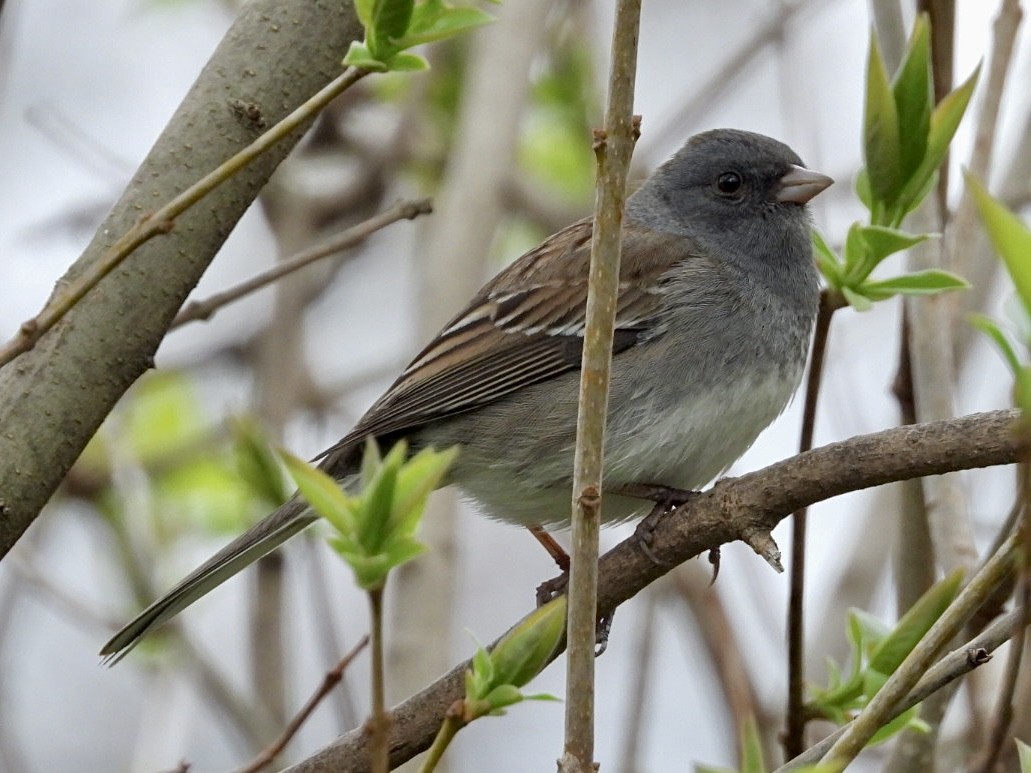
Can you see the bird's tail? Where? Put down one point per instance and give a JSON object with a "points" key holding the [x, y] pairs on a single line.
{"points": [[260, 539]]}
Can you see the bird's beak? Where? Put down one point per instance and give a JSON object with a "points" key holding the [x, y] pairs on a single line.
{"points": [[799, 184]]}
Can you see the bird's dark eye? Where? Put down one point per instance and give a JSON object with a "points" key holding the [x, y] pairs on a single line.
{"points": [[728, 183]]}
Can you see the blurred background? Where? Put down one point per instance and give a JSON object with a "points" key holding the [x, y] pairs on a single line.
{"points": [[497, 132]]}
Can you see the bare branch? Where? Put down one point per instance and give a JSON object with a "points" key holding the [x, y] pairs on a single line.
{"points": [[331, 680], [351, 237]]}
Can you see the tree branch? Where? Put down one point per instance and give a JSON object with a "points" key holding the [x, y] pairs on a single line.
{"points": [[737, 508], [53, 398]]}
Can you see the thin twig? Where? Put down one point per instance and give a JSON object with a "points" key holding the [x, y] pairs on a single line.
{"points": [[331, 679], [613, 148], [162, 221], [351, 237], [878, 711], [379, 722], [794, 734], [958, 663]]}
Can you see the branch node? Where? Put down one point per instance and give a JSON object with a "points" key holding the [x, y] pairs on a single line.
{"points": [[761, 541], [978, 656]]}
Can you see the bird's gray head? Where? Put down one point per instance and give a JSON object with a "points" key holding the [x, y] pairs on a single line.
{"points": [[733, 192]]}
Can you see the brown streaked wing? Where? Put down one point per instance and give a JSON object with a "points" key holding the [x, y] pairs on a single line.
{"points": [[524, 327]]}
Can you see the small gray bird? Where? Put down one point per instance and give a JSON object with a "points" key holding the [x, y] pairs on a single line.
{"points": [[717, 297]]}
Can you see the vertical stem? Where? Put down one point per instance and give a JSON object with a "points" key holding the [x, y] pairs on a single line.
{"points": [[379, 722], [613, 148], [794, 735], [447, 732]]}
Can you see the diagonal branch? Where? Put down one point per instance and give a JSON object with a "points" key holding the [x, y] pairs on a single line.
{"points": [[740, 508], [53, 398]]}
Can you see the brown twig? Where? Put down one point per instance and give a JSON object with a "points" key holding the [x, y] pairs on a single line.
{"points": [[331, 679], [732, 508], [162, 220], [613, 148], [916, 664], [794, 734], [957, 663], [351, 237]]}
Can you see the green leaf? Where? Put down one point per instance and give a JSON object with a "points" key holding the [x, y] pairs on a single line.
{"points": [[992, 329], [700, 768], [429, 28], [913, 91], [884, 241], [880, 130], [377, 496], [405, 62], [863, 190], [257, 463], [927, 282], [1024, 755], [502, 696], [360, 57], [944, 121], [1009, 236], [856, 300], [826, 260], [421, 475], [858, 261], [907, 720], [914, 624], [390, 19], [866, 246], [321, 492], [751, 748], [526, 649], [364, 9]]}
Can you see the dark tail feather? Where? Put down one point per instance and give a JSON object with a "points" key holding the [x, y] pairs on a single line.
{"points": [[260, 539]]}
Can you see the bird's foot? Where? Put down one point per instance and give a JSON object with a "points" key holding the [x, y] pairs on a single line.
{"points": [[666, 500]]}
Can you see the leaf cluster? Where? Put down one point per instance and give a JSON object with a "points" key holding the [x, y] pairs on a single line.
{"points": [[374, 531], [394, 26], [877, 650]]}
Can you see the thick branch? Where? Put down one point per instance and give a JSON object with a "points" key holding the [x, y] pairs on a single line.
{"points": [[52, 399], [737, 508]]}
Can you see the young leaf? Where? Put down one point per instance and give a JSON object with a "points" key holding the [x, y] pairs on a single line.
{"points": [[880, 130], [751, 748], [944, 121], [856, 300], [991, 328], [1009, 236], [826, 260], [914, 97], [525, 650], [321, 491], [390, 19], [1024, 755], [429, 28], [884, 241], [927, 282], [914, 624], [257, 463]]}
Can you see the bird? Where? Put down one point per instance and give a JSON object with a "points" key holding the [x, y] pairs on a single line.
{"points": [[718, 293]]}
